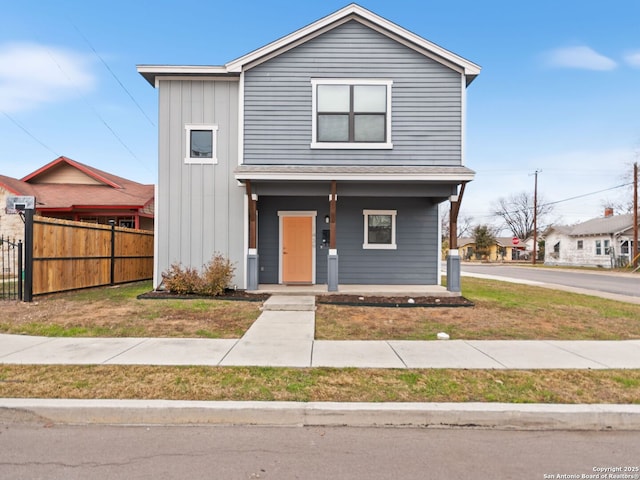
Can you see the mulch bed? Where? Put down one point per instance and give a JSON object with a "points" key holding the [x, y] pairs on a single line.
{"points": [[228, 295], [329, 299], [397, 301]]}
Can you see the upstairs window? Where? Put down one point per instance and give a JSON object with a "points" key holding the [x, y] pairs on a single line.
{"points": [[201, 144], [351, 113]]}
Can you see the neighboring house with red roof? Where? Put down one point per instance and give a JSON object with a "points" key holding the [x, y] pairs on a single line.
{"points": [[71, 190], [600, 242]]}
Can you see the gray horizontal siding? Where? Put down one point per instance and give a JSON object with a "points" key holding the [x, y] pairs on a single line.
{"points": [[414, 261], [426, 101], [416, 257], [200, 207]]}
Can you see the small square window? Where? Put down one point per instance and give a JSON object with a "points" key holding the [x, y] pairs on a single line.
{"points": [[580, 244], [201, 144], [379, 229]]}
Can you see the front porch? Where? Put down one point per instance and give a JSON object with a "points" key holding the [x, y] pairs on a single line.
{"points": [[380, 237]]}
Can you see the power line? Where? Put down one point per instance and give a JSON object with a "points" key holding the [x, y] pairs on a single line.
{"points": [[106, 124], [587, 194], [24, 129], [564, 200], [112, 73]]}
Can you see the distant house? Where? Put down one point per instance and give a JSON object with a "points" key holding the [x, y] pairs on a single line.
{"points": [[600, 242], [71, 190], [338, 140], [504, 250]]}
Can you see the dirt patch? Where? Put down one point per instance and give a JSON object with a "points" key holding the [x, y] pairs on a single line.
{"points": [[126, 311]]}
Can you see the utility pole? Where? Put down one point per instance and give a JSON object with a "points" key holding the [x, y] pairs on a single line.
{"points": [[535, 218], [635, 215]]}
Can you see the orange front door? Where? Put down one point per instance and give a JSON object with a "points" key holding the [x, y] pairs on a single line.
{"points": [[297, 249]]}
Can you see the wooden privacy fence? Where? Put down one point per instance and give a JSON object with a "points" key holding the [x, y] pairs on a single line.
{"points": [[70, 255]]}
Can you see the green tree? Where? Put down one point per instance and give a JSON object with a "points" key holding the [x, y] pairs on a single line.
{"points": [[485, 239]]}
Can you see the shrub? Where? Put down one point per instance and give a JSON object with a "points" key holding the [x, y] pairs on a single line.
{"points": [[182, 280], [213, 280], [217, 275]]}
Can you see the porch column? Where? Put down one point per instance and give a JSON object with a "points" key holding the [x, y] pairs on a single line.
{"points": [[252, 254], [453, 257], [332, 266]]}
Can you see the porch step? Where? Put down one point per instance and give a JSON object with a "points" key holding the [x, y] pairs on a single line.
{"points": [[290, 303]]}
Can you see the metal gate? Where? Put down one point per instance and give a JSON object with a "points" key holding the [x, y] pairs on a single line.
{"points": [[10, 269]]}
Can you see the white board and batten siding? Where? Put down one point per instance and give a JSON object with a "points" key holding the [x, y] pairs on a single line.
{"points": [[200, 205]]}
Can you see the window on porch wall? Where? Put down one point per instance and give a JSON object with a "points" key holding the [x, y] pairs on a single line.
{"points": [[379, 229]]}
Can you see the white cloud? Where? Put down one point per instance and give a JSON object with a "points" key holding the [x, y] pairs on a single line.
{"points": [[633, 59], [580, 57], [33, 74]]}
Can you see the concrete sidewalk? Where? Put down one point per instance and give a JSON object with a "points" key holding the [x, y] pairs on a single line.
{"points": [[285, 352], [283, 336]]}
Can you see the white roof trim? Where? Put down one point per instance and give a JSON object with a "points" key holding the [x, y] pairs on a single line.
{"points": [[180, 72], [359, 177], [182, 69], [237, 65], [427, 48]]}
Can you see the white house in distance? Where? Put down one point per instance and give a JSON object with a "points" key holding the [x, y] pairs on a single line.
{"points": [[605, 242]]}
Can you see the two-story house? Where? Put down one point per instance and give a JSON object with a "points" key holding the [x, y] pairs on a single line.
{"points": [[320, 158]]}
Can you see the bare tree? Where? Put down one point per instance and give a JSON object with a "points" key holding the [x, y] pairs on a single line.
{"points": [[464, 226], [516, 211], [624, 203]]}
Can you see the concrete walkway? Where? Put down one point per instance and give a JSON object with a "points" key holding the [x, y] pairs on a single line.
{"points": [[283, 336]]}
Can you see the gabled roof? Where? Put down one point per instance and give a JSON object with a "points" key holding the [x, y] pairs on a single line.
{"points": [[104, 191], [346, 14], [15, 186], [97, 175], [611, 225]]}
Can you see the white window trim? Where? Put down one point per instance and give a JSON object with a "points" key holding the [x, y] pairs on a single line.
{"points": [[349, 145], [214, 143], [379, 246]]}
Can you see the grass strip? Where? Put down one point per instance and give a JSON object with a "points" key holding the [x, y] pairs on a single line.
{"points": [[319, 384]]}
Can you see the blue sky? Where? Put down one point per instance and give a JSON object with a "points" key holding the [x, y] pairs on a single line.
{"points": [[558, 92]]}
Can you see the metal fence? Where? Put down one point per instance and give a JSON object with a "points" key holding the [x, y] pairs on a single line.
{"points": [[11, 284]]}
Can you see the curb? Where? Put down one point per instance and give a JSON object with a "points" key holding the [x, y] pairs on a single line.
{"points": [[499, 416]]}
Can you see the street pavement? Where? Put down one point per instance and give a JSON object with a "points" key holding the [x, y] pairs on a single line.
{"points": [[283, 336]]}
